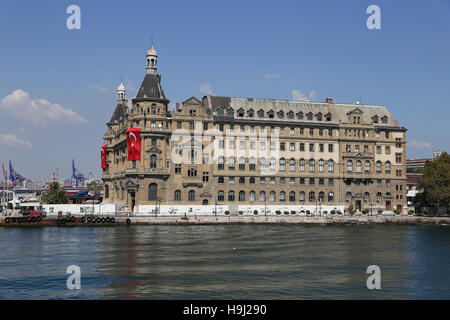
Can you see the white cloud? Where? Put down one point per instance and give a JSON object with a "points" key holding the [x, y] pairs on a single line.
{"points": [[11, 140], [413, 144], [206, 89], [38, 112], [297, 95], [100, 88], [268, 76]]}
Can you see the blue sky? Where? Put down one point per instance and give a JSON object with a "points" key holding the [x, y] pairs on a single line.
{"points": [[272, 49]]}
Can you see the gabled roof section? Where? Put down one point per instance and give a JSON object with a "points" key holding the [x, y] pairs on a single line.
{"points": [[192, 100], [120, 113], [151, 88]]}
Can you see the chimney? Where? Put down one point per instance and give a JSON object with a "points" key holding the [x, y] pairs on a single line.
{"points": [[329, 100]]}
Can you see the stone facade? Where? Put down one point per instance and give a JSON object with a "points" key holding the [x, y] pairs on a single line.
{"points": [[244, 151]]}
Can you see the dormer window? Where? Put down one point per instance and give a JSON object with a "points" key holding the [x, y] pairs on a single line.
{"points": [[319, 116], [309, 116], [241, 113], [300, 115], [220, 112], [270, 114], [375, 119], [290, 115], [384, 119], [230, 112], [328, 116], [280, 115], [251, 113], [261, 114]]}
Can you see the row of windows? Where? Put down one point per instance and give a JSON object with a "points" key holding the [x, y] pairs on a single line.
{"points": [[271, 114], [284, 164], [231, 144], [272, 181]]}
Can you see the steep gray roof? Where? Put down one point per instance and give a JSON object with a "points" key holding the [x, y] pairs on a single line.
{"points": [[151, 88], [119, 113], [339, 112]]}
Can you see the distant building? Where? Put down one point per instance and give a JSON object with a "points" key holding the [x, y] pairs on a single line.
{"points": [[249, 152]]}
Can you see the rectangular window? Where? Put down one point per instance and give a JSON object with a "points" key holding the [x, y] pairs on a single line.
{"points": [[320, 132], [272, 181], [178, 169], [178, 125], [320, 147], [398, 158], [311, 132], [302, 147], [347, 148], [302, 131], [292, 146], [330, 148], [311, 147], [292, 131], [388, 150], [205, 127], [356, 147], [282, 146], [231, 180], [366, 148], [330, 132], [262, 180], [378, 149], [302, 180], [242, 145], [331, 182], [205, 176], [292, 181]]}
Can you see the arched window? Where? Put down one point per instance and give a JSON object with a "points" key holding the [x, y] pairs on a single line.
{"points": [[220, 163], [241, 195], [153, 161], [301, 196], [330, 165], [358, 165], [177, 196], [231, 163], [252, 164], [292, 196], [251, 196], [106, 191], [273, 164], [302, 165], [241, 163], [152, 192], [191, 195], [282, 164], [311, 165], [152, 62], [330, 196], [231, 196], [321, 165], [321, 196], [349, 166], [221, 196], [282, 196], [262, 196], [292, 164], [378, 165], [387, 167], [312, 196], [272, 196], [348, 197], [367, 166], [262, 164], [366, 197], [379, 197]]}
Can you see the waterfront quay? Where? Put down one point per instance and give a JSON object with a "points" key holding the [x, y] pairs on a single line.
{"points": [[127, 220]]}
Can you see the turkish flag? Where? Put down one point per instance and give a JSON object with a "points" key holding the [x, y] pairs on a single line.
{"points": [[103, 155], [134, 143]]}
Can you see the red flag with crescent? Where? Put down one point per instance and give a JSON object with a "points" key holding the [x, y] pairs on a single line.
{"points": [[103, 155], [134, 143]]}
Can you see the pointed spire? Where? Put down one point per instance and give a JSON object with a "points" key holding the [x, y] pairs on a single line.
{"points": [[121, 92]]}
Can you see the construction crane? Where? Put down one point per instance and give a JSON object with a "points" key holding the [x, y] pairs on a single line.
{"points": [[76, 175], [15, 178]]}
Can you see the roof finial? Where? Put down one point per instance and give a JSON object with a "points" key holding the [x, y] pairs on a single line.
{"points": [[151, 43]]}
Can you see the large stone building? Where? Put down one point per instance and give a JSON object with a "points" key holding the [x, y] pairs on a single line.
{"points": [[246, 153]]}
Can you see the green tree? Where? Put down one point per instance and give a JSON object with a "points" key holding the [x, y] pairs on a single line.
{"points": [[54, 194], [435, 183], [96, 187]]}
